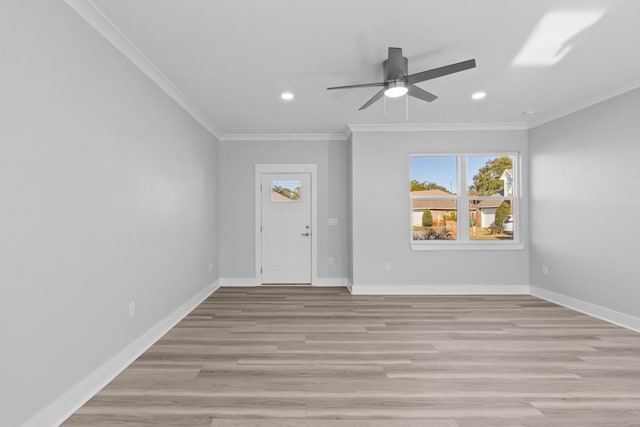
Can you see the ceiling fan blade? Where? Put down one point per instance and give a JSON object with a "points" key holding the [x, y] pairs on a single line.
{"points": [[361, 85], [372, 100], [419, 93], [395, 66], [442, 71]]}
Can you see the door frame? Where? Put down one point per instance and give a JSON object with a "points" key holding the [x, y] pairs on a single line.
{"points": [[312, 170]]}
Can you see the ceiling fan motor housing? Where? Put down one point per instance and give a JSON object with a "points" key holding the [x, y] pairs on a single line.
{"points": [[397, 72]]}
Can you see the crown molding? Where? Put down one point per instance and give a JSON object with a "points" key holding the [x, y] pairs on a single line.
{"points": [[251, 137], [601, 97], [107, 29], [430, 127]]}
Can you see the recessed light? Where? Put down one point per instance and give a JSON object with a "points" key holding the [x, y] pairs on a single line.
{"points": [[287, 96], [528, 112], [478, 95]]}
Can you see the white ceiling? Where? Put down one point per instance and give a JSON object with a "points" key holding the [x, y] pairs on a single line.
{"points": [[233, 58]]}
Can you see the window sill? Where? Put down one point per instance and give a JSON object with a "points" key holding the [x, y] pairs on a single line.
{"points": [[467, 246]]}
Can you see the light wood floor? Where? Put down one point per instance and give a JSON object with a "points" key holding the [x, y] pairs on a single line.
{"points": [[303, 356]]}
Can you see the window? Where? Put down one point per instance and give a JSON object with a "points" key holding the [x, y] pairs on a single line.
{"points": [[285, 191], [466, 200]]}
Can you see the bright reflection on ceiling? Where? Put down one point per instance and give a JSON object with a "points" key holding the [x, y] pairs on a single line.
{"points": [[550, 40]]}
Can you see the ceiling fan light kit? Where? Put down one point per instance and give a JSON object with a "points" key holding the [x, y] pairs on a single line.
{"points": [[395, 88], [397, 82]]}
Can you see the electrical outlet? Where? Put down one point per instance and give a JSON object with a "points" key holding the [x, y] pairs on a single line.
{"points": [[330, 260], [387, 266], [132, 309], [211, 266], [545, 270]]}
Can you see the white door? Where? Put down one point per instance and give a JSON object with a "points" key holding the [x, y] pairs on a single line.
{"points": [[286, 228]]}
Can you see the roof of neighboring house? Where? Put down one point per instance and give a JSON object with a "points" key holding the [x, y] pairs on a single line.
{"points": [[431, 193], [443, 205], [484, 204], [449, 205], [433, 204]]}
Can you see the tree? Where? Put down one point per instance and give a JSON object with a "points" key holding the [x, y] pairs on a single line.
{"points": [[286, 192], [427, 218], [426, 185], [487, 181], [416, 186], [503, 211]]}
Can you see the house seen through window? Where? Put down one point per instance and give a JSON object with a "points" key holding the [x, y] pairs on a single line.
{"points": [[463, 198]]}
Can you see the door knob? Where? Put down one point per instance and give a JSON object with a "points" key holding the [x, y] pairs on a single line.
{"points": [[306, 234]]}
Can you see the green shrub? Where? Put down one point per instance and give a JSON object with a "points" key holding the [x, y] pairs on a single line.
{"points": [[453, 216], [427, 218], [503, 211], [433, 234]]}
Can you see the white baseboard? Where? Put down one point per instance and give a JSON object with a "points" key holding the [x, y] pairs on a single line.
{"points": [[331, 281], [603, 313], [439, 289], [239, 281], [70, 401], [252, 281]]}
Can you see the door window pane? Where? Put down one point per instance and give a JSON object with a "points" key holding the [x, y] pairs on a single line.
{"points": [[285, 191]]}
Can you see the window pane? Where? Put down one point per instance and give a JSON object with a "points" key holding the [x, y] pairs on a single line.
{"points": [[491, 219], [435, 219], [285, 191], [490, 176], [434, 176]]}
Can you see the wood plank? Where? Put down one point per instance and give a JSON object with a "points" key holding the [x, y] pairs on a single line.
{"points": [[319, 357]]}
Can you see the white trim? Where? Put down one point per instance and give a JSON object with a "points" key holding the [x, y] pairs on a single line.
{"points": [[70, 401], [440, 289], [97, 19], [239, 281], [603, 313], [311, 169], [490, 245], [332, 281], [603, 96], [251, 137], [426, 127]]}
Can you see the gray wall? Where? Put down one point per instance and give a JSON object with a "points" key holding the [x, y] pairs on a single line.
{"points": [[107, 196], [237, 197], [380, 173], [585, 204]]}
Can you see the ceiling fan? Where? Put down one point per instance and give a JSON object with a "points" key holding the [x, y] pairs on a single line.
{"points": [[397, 82]]}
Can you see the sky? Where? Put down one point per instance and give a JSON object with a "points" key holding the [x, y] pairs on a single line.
{"points": [[443, 170], [291, 185]]}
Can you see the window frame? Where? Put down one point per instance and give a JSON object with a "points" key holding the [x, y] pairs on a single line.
{"points": [[463, 242]]}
